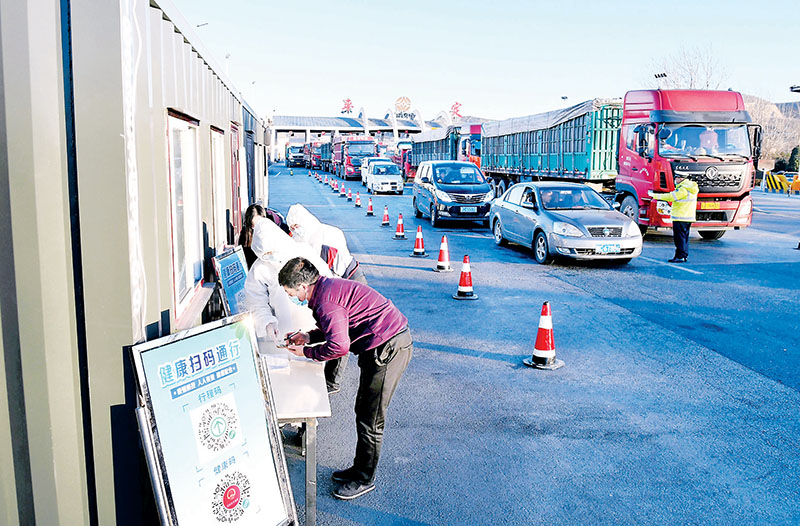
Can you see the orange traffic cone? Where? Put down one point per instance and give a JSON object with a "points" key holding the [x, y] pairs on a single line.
{"points": [[369, 208], [342, 193], [544, 351], [400, 233], [419, 245], [385, 220], [465, 283], [335, 186], [443, 265], [358, 200], [326, 178], [349, 195]]}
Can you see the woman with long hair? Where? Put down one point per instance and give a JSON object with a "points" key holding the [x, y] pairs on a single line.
{"points": [[252, 215]]}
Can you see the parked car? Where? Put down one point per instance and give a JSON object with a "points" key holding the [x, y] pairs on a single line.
{"points": [[564, 219], [384, 177], [365, 166], [451, 190]]}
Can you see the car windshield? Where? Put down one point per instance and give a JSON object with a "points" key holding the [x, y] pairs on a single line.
{"points": [[360, 148], [317, 150], [693, 140], [295, 149], [572, 199], [385, 169], [457, 174]]}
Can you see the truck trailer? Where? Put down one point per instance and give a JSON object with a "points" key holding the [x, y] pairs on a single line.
{"points": [[629, 147], [347, 152], [460, 142]]}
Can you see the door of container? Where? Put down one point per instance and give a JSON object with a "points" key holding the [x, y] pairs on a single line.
{"points": [[236, 200], [250, 158]]}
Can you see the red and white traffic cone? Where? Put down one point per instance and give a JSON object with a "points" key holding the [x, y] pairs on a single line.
{"points": [[400, 233], [326, 178], [385, 220], [349, 195], [335, 186], [419, 245], [369, 208], [342, 193], [443, 265], [358, 200], [465, 283], [544, 351]]}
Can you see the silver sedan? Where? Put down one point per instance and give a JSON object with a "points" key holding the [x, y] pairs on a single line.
{"points": [[564, 219]]}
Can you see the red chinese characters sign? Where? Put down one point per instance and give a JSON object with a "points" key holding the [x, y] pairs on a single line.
{"points": [[348, 106]]}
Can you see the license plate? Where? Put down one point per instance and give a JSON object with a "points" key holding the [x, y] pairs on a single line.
{"points": [[608, 248], [469, 209], [709, 206]]}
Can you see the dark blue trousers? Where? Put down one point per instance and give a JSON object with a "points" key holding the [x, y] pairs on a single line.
{"points": [[680, 234]]}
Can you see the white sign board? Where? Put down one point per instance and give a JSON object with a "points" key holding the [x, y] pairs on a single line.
{"points": [[210, 430]]}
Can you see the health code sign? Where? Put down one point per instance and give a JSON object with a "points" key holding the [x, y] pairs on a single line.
{"points": [[216, 455], [231, 269]]}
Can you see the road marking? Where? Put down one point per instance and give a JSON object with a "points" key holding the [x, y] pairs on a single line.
{"points": [[673, 265]]}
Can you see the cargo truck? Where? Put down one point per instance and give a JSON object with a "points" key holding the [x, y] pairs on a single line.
{"points": [[452, 143], [347, 152], [294, 155], [325, 156], [627, 148], [312, 155]]}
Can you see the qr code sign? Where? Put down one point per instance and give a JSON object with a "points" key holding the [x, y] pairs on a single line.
{"points": [[216, 427], [231, 497]]}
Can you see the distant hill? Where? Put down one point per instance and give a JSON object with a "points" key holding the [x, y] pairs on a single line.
{"points": [[789, 109]]}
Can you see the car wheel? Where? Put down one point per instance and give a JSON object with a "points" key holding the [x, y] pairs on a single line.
{"points": [[434, 217], [498, 234], [417, 212], [400, 192], [711, 235], [540, 249]]}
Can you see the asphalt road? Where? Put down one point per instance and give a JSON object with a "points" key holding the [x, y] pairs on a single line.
{"points": [[678, 403]]}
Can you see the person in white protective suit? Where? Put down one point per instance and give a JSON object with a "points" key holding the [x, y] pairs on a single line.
{"points": [[328, 241], [274, 313]]}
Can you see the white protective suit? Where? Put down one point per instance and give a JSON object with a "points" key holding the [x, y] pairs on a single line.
{"points": [[274, 313], [307, 228]]}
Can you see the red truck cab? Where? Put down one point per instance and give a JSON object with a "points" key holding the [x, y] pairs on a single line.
{"points": [[706, 135], [347, 153]]}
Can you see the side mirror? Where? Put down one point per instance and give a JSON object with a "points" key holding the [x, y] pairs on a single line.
{"points": [[664, 133], [617, 205]]}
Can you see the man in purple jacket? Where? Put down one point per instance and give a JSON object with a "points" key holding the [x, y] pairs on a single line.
{"points": [[352, 317]]}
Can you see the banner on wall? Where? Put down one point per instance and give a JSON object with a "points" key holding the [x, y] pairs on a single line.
{"points": [[209, 428]]}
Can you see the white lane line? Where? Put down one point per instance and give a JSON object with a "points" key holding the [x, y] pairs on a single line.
{"points": [[673, 265]]}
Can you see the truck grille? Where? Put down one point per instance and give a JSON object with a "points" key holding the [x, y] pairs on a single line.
{"points": [[605, 231], [712, 217], [714, 177], [467, 198]]}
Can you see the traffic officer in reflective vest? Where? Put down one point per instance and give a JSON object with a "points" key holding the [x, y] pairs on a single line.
{"points": [[684, 206]]}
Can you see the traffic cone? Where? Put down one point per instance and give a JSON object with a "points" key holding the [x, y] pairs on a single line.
{"points": [[326, 178], [358, 200], [385, 221], [342, 193], [419, 245], [291, 172], [443, 265], [369, 208], [544, 351], [400, 233], [349, 195], [465, 283], [335, 186]]}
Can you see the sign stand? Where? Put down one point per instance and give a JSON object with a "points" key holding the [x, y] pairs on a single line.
{"points": [[231, 270], [209, 428]]}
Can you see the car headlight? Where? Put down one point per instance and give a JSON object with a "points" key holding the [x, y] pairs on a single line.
{"points": [[745, 208], [566, 229], [632, 229], [443, 196], [488, 197]]}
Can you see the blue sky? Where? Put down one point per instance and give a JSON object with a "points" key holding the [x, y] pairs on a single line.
{"points": [[498, 58]]}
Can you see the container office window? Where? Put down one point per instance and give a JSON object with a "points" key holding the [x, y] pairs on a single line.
{"points": [[218, 185], [184, 181]]}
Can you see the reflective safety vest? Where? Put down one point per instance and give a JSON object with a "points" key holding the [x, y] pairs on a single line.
{"points": [[683, 199]]}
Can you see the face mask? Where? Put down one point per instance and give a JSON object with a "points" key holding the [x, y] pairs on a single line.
{"points": [[299, 232], [270, 258], [296, 301]]}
